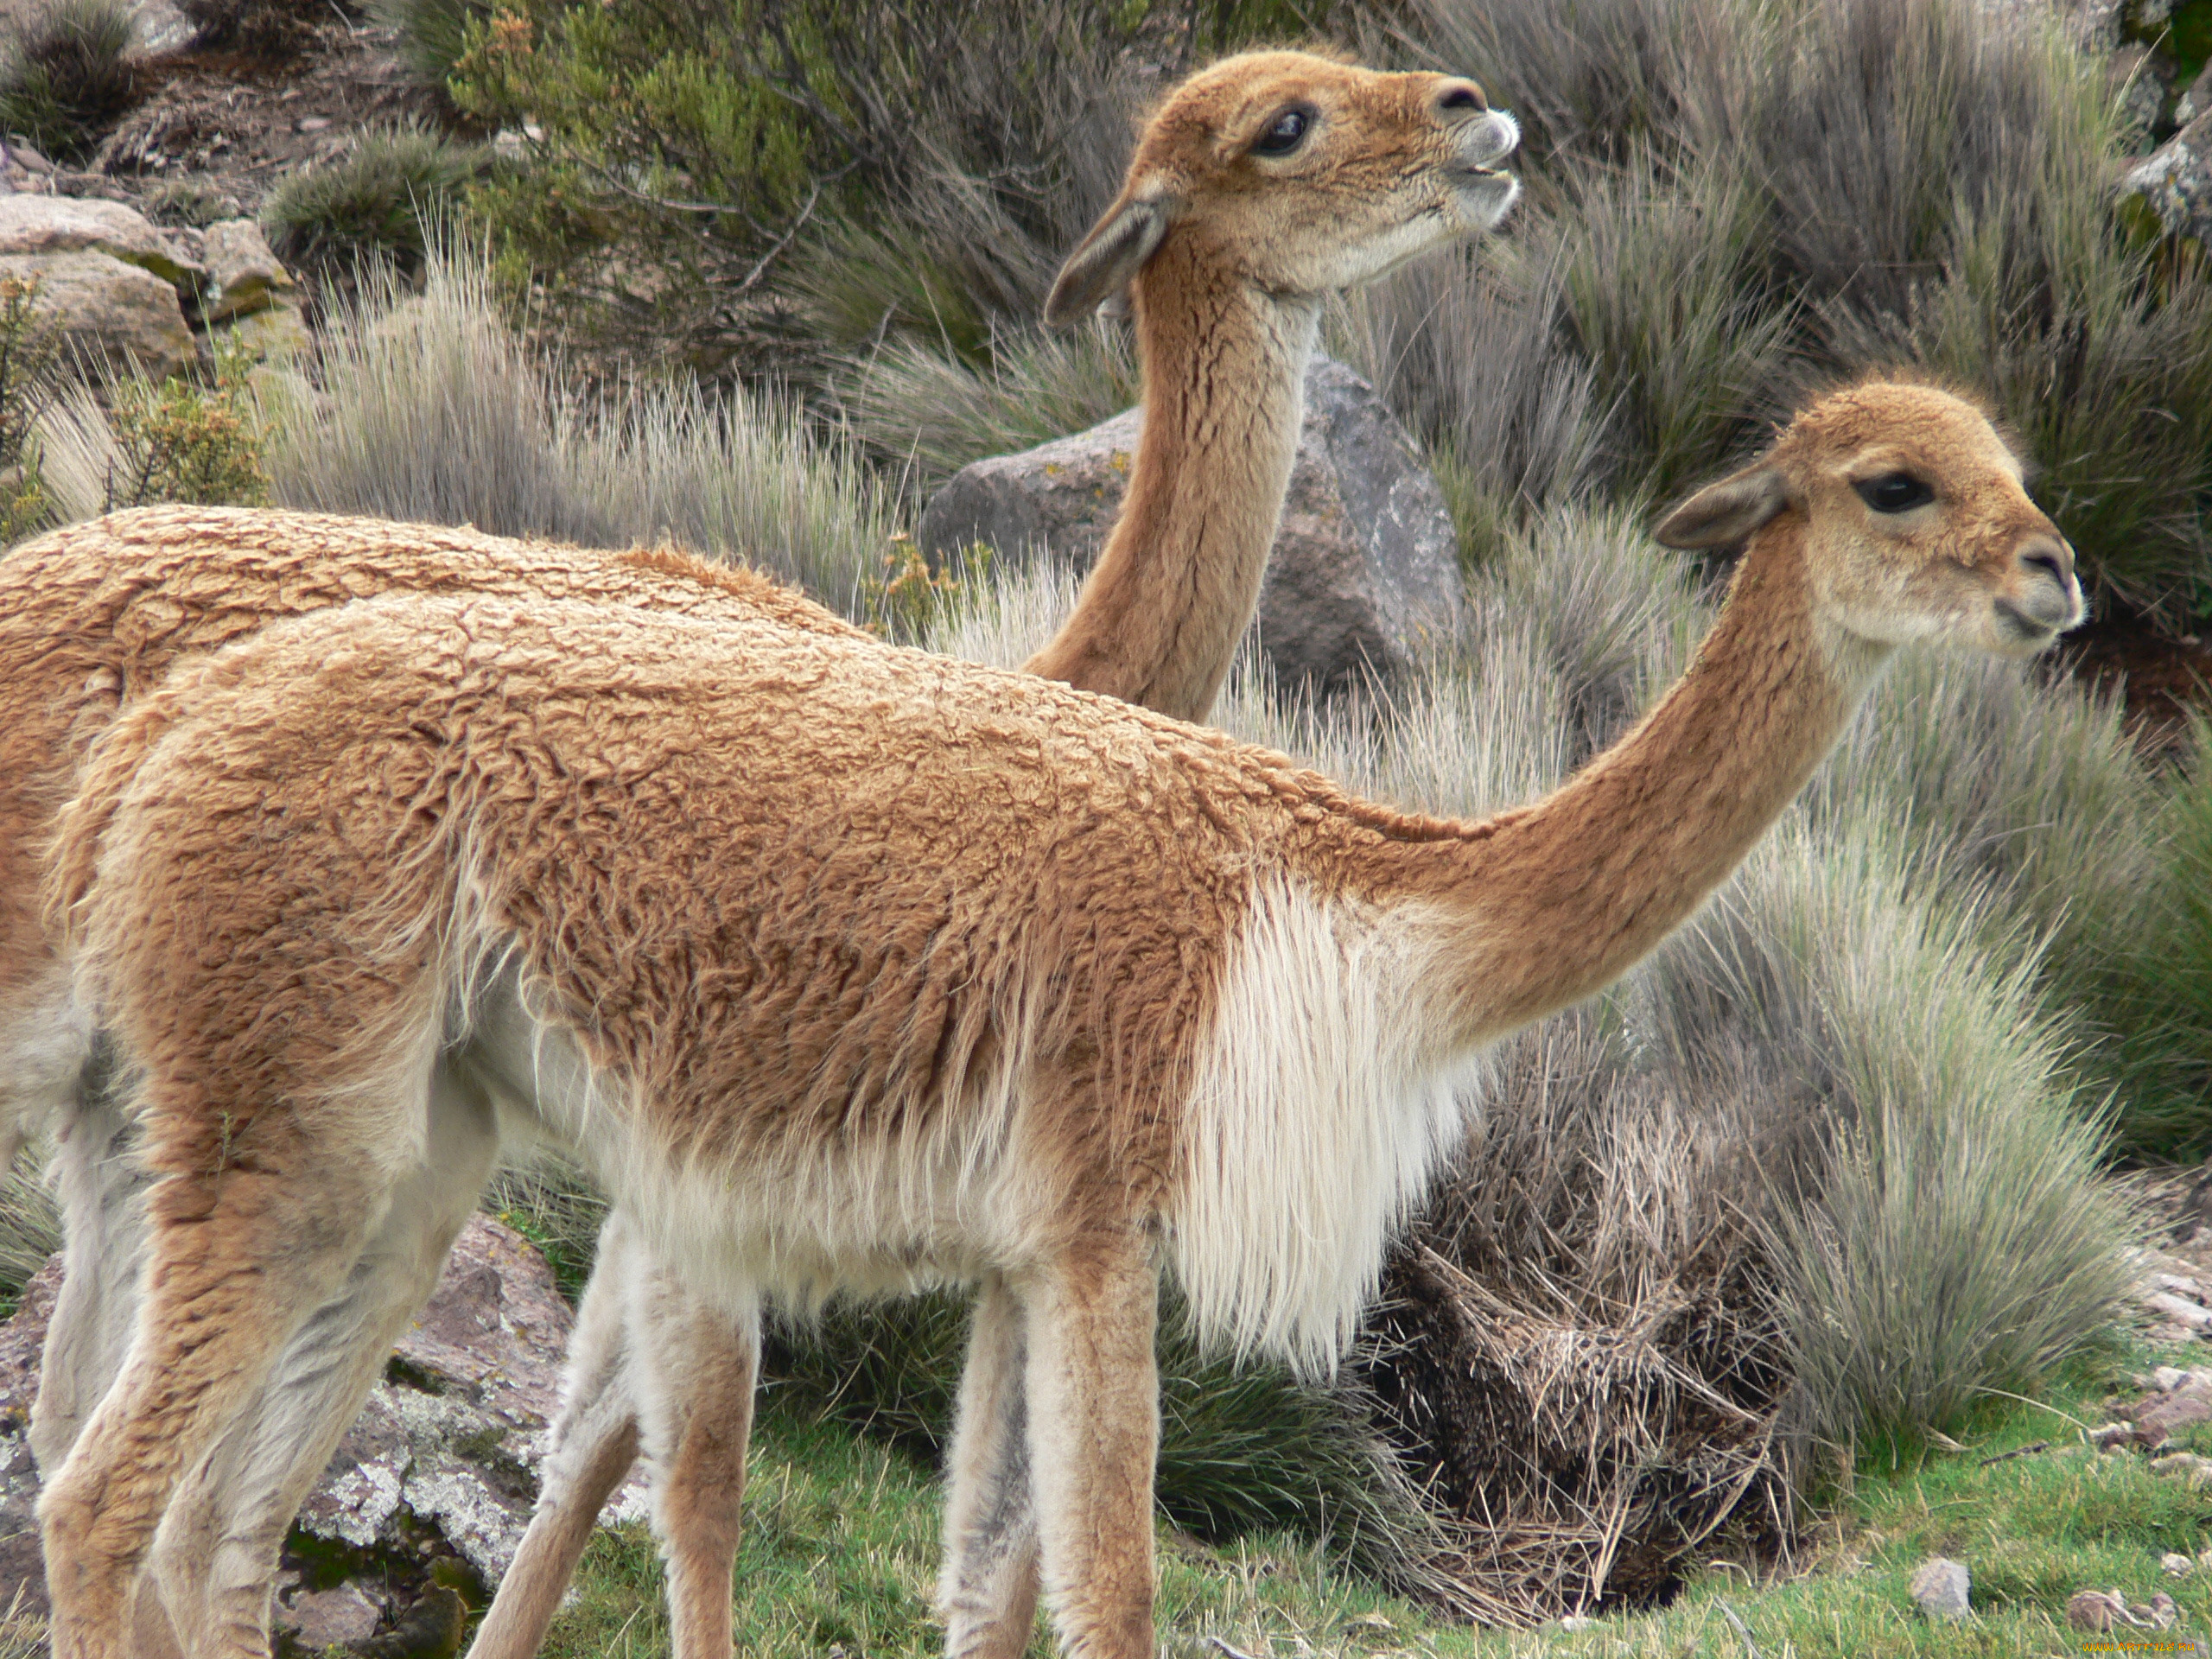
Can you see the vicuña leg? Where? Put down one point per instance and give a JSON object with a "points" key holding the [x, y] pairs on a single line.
{"points": [[1094, 1436], [239, 1260], [696, 1363], [103, 1190], [215, 1556], [594, 1443], [988, 1589]]}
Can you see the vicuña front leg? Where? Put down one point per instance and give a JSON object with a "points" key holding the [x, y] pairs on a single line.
{"points": [[1094, 1436], [988, 1589], [594, 1443]]}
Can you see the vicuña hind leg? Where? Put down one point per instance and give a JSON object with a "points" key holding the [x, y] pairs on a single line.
{"points": [[102, 1190], [650, 1365], [240, 1257], [695, 1364], [986, 1591], [1094, 1433], [215, 1555], [594, 1443]]}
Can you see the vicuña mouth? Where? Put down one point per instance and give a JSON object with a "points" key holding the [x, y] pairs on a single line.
{"points": [[2029, 630]]}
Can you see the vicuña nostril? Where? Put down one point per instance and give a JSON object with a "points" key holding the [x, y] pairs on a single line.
{"points": [[1461, 95], [2056, 566]]}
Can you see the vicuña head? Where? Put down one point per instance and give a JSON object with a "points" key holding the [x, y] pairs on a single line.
{"points": [[1917, 523], [1296, 175], [846, 967]]}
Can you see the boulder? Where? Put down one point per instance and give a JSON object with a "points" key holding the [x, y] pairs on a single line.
{"points": [[1364, 566], [276, 333], [105, 310], [2175, 180], [439, 1467], [243, 275], [49, 224]]}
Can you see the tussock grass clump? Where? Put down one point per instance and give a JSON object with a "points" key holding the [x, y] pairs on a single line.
{"points": [[381, 199], [925, 415], [433, 34], [66, 75], [428, 407], [1738, 201]]}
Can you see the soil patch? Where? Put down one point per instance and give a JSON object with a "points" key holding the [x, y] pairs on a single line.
{"points": [[217, 131]]}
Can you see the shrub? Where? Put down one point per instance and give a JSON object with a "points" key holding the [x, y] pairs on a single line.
{"points": [[756, 183], [375, 201], [65, 75], [1741, 200], [138, 441]]}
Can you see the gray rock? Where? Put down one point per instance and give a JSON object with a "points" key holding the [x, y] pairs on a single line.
{"points": [[243, 275], [322, 1618], [105, 311], [1365, 565], [2144, 79], [31, 224], [2092, 23], [1941, 1586], [276, 333], [442, 1462], [2175, 180], [2196, 100]]}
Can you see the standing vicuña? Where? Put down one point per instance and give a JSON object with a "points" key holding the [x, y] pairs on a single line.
{"points": [[852, 968], [1230, 236]]}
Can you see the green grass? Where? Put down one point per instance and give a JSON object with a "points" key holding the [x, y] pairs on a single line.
{"points": [[840, 1553]]}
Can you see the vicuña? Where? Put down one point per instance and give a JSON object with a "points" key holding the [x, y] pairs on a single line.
{"points": [[850, 968], [1261, 184]]}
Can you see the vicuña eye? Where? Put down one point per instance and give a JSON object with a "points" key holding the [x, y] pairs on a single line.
{"points": [[1894, 492], [1287, 133]]}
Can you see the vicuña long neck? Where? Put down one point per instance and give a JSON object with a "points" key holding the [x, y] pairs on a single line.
{"points": [[1544, 905], [1179, 580]]}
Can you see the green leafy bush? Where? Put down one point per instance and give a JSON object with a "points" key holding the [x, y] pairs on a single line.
{"points": [[179, 441], [65, 75]]}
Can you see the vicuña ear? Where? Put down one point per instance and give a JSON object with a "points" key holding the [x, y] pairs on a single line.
{"points": [[1124, 237], [1722, 514]]}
